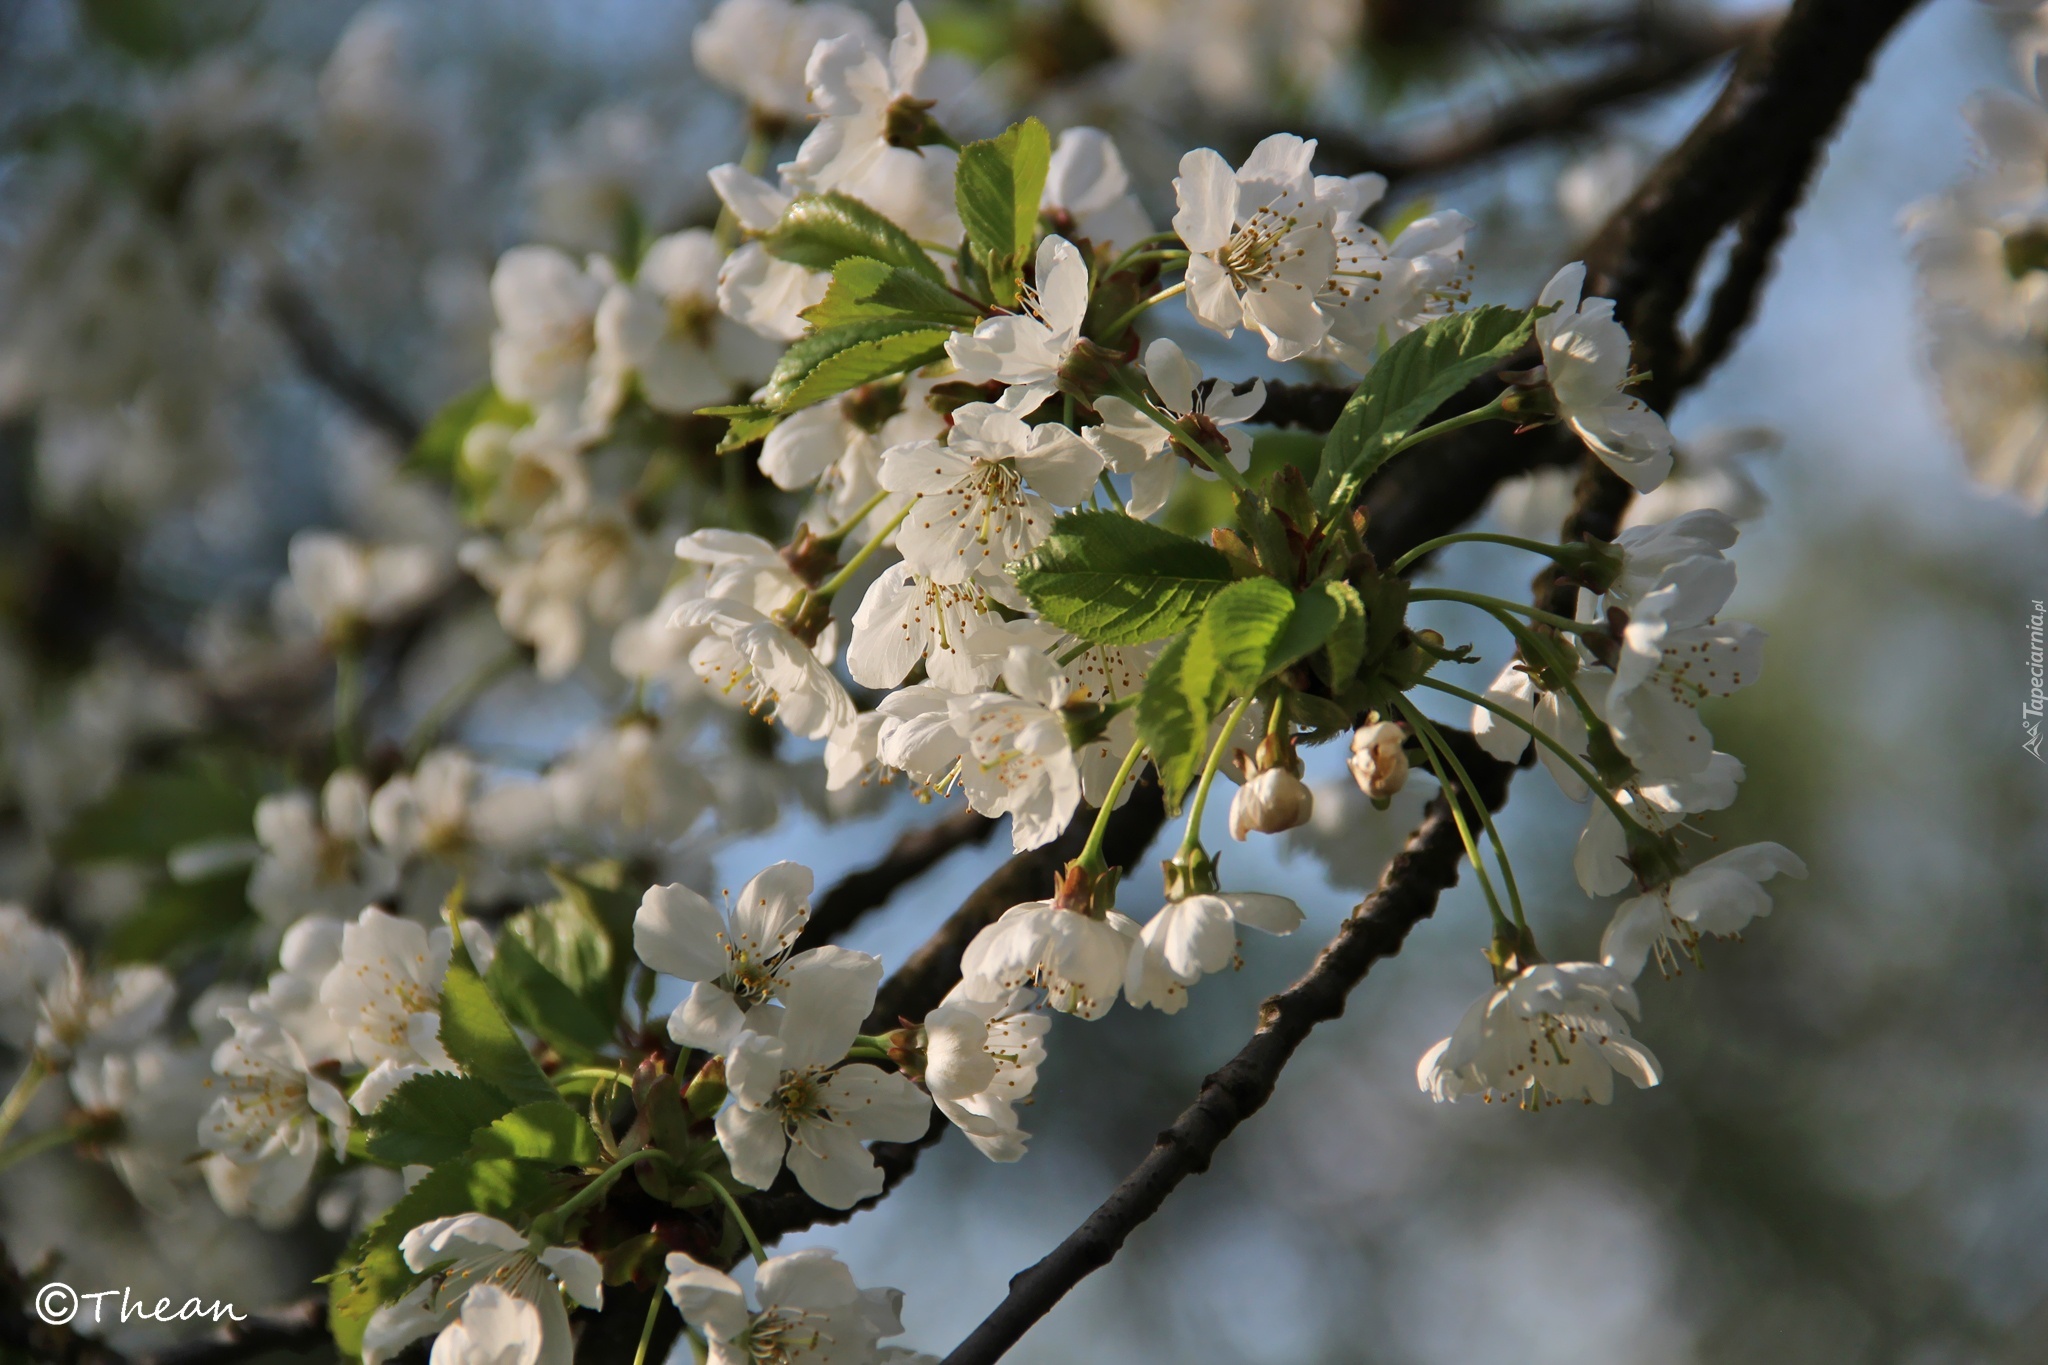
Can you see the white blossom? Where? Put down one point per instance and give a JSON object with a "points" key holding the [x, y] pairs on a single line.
{"points": [[981, 1062], [470, 1250], [954, 629], [1663, 674], [318, 860], [758, 49], [150, 1096], [762, 291], [1020, 761], [1600, 859], [1272, 802], [836, 446], [795, 1098], [973, 514], [494, 1328], [340, 585], [1196, 935], [1554, 713], [664, 327], [1684, 553], [547, 336], [266, 1118], [1077, 959], [385, 993], [445, 809], [547, 584], [811, 1312], [756, 662], [1088, 191], [1719, 897], [1554, 1033], [1260, 243], [1379, 290], [1027, 348], [1586, 356], [1130, 442]]}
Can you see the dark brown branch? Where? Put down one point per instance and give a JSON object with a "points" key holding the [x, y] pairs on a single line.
{"points": [[1312, 407], [1407, 894], [1666, 56], [321, 356], [913, 854]]}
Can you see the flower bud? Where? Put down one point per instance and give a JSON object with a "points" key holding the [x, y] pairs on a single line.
{"points": [[1378, 763], [1273, 801], [706, 1090]]}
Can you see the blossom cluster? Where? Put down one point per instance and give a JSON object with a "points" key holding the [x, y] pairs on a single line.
{"points": [[949, 449]]}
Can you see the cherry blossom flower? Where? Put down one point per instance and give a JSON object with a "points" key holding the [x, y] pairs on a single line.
{"points": [[1554, 1033], [973, 514], [811, 1312], [1600, 859], [1022, 762], [745, 656], [1379, 762], [51, 1000], [340, 586], [1586, 356], [1272, 802], [663, 326], [1663, 674], [1027, 348], [856, 91], [311, 949], [952, 628], [741, 566], [1552, 712], [740, 961], [796, 1099], [756, 289], [547, 336], [319, 860], [981, 1060], [1079, 960], [467, 1251], [1195, 935], [1684, 553], [1130, 442], [149, 1097], [266, 1117], [1088, 192], [627, 787], [1381, 290], [385, 993], [1260, 243], [494, 1328], [758, 49], [444, 809], [1719, 896], [546, 584], [836, 446]]}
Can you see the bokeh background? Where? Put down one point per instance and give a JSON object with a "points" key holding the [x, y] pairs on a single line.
{"points": [[1848, 1160]]}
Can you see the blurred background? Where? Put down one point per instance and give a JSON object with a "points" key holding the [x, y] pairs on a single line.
{"points": [[210, 212]]}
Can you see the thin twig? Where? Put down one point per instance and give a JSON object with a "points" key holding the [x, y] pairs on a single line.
{"points": [[914, 853], [321, 356]]}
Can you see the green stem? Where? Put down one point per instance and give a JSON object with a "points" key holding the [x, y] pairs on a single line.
{"points": [[862, 555], [1192, 838], [1537, 649], [1500, 847], [452, 702], [1139, 247], [1487, 537], [16, 1104], [647, 1328], [1137, 310], [1109, 487], [732, 1207], [348, 704], [1571, 760], [1480, 599], [60, 1136], [1449, 424], [847, 527], [1424, 732], [550, 1225], [1091, 859], [1137, 257]]}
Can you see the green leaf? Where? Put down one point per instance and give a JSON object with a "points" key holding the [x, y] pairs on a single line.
{"points": [[478, 1037], [551, 1133], [862, 288], [1315, 614], [818, 231], [201, 795], [827, 364], [1410, 380], [438, 451], [746, 423], [179, 919], [997, 190], [1228, 652], [1168, 723], [1344, 651], [1116, 580], [371, 1272], [542, 1001], [432, 1119]]}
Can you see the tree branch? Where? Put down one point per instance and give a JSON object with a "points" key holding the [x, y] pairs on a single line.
{"points": [[1666, 55], [1407, 894], [914, 853], [321, 356]]}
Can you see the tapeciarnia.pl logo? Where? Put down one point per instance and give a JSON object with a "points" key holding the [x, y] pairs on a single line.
{"points": [[2037, 676]]}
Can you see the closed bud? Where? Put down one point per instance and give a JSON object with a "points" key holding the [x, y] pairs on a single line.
{"points": [[1378, 762], [1273, 801], [706, 1090]]}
